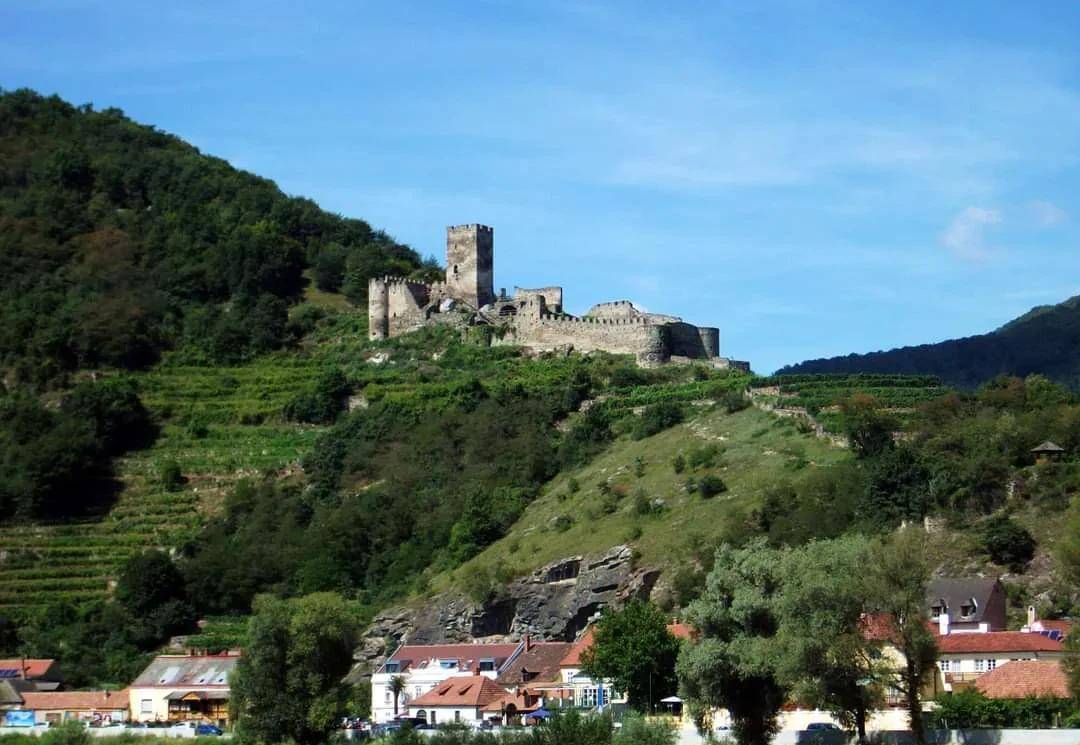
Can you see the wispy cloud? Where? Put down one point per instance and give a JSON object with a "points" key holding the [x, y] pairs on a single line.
{"points": [[1048, 214], [965, 235]]}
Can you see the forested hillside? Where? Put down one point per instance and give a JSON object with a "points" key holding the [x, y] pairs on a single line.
{"points": [[119, 242], [1044, 341]]}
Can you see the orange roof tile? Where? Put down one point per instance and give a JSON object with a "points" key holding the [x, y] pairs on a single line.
{"points": [[573, 657], [1022, 678], [413, 656], [33, 668], [462, 690], [997, 641], [681, 630], [76, 700]]}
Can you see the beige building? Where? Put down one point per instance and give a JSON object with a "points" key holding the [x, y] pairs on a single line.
{"points": [[179, 688]]}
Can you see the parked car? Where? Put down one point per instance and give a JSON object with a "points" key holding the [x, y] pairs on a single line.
{"points": [[194, 729], [821, 733]]}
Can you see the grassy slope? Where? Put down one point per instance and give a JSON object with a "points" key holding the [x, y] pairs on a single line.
{"points": [[757, 448]]}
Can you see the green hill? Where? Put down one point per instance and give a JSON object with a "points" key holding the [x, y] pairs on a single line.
{"points": [[1043, 341]]}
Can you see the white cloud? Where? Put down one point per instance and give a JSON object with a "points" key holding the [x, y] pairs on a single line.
{"points": [[1048, 214], [964, 236]]}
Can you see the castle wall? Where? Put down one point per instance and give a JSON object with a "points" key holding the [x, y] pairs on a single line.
{"points": [[695, 342], [378, 310], [470, 263], [553, 296], [647, 342]]}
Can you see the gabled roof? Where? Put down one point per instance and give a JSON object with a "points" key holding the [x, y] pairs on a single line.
{"points": [[11, 690], [30, 668], [1022, 678], [959, 591], [76, 700], [187, 671], [461, 690], [997, 641], [573, 657], [467, 656], [538, 664]]}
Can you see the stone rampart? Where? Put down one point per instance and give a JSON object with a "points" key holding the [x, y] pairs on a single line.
{"points": [[648, 343]]}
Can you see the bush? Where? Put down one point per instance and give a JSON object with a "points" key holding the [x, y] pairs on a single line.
{"points": [[734, 401], [322, 405], [1008, 543], [171, 477], [656, 418], [678, 463], [636, 731], [709, 486]]}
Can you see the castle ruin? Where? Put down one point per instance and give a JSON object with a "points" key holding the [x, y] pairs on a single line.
{"points": [[532, 318]]}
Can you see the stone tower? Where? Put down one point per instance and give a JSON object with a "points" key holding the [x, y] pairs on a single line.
{"points": [[470, 262]]}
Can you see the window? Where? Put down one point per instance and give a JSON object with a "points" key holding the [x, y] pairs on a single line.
{"points": [[457, 715], [448, 664], [392, 667], [487, 665], [991, 664], [980, 666], [939, 607], [388, 700], [945, 665], [416, 691], [146, 706], [967, 609]]}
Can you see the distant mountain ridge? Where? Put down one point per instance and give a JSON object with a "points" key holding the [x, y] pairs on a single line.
{"points": [[1045, 340]]}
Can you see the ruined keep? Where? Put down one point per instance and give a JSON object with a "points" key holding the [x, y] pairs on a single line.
{"points": [[532, 318]]}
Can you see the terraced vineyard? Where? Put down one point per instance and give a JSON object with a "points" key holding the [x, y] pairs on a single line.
{"points": [[819, 394], [220, 424]]}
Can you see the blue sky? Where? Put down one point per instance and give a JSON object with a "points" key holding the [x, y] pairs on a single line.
{"points": [[814, 178]]}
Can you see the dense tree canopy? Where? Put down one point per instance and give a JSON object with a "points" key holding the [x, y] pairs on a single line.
{"points": [[119, 241]]}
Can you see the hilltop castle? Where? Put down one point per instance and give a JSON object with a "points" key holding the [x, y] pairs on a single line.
{"points": [[531, 318]]}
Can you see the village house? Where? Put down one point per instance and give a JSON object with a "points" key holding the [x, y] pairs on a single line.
{"points": [[1024, 678], [43, 673], [178, 688], [422, 667], [533, 680], [959, 605], [462, 698], [54, 707], [964, 658]]}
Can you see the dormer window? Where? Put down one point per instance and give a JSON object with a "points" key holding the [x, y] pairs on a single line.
{"points": [[393, 667], [968, 608], [448, 664], [939, 608], [487, 664]]}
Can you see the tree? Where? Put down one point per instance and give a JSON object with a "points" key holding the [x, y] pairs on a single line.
{"points": [[1068, 547], [732, 664], [634, 650], [1008, 542], [898, 574], [397, 687], [824, 656], [288, 685], [1072, 661], [867, 427], [150, 588]]}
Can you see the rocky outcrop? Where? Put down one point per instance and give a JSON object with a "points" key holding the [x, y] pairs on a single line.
{"points": [[555, 602]]}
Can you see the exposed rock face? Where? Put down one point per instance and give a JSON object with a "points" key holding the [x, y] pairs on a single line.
{"points": [[553, 603]]}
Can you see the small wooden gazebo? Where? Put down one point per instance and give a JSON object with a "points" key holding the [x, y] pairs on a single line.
{"points": [[1047, 451]]}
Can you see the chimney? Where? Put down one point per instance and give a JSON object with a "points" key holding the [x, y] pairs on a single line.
{"points": [[528, 643], [22, 669], [1032, 618], [943, 624]]}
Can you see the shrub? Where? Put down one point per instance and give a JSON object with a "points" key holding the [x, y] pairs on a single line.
{"points": [[734, 401], [171, 477], [709, 486], [703, 457], [639, 466], [1008, 543], [323, 404], [562, 523], [636, 731], [678, 463], [573, 485], [656, 418]]}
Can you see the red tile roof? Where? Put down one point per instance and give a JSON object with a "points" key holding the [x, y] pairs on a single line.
{"points": [[1056, 625], [417, 656], [76, 700], [1022, 678], [996, 641], [681, 630], [573, 657], [33, 668], [539, 664], [462, 690]]}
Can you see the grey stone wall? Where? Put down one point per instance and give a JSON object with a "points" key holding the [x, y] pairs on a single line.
{"points": [[470, 263]]}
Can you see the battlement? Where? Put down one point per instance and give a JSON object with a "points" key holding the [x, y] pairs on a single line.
{"points": [[592, 321], [472, 226]]}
